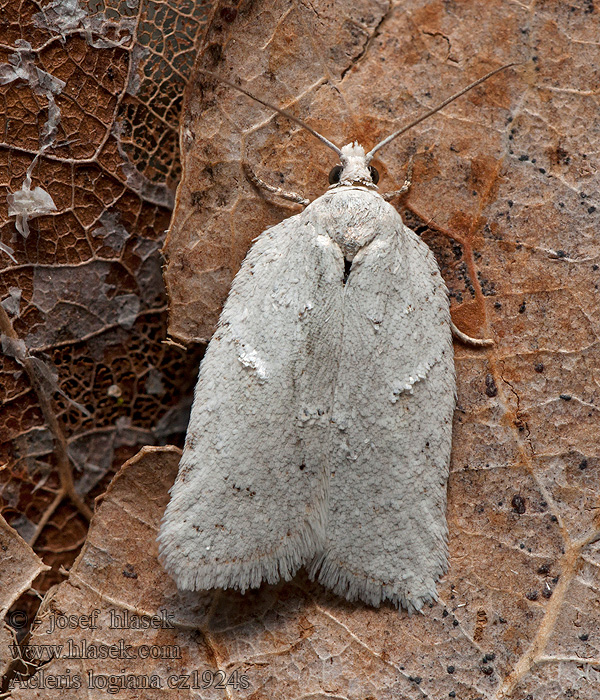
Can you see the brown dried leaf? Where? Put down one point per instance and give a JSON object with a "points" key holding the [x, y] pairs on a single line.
{"points": [[117, 574], [90, 94], [296, 639], [20, 565], [505, 191]]}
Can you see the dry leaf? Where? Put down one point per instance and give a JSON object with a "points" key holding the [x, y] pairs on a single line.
{"points": [[505, 191], [88, 163], [117, 575], [20, 565], [298, 640]]}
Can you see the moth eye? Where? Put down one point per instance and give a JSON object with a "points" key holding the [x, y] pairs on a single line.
{"points": [[374, 174], [334, 175]]}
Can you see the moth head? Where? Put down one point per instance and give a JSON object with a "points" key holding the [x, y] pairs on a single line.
{"points": [[354, 168]]}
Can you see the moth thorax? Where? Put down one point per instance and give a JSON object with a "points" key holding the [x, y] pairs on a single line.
{"points": [[351, 217]]}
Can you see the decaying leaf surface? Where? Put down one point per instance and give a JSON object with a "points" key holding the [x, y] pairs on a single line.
{"points": [[297, 640], [20, 566], [118, 575], [90, 98], [505, 191]]}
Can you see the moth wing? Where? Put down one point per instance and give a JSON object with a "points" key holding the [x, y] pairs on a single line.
{"points": [[392, 424], [249, 503]]}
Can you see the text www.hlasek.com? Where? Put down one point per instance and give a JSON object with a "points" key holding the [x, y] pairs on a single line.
{"points": [[87, 650]]}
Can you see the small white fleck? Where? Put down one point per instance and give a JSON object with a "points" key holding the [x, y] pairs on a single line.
{"points": [[250, 358]]}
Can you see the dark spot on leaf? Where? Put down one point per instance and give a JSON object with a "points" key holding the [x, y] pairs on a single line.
{"points": [[129, 571], [228, 14], [518, 504], [491, 389], [215, 51], [196, 198]]}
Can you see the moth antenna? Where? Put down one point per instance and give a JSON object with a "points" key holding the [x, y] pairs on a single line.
{"points": [[283, 112], [428, 114]]}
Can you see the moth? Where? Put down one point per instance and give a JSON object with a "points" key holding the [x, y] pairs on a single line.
{"points": [[321, 428]]}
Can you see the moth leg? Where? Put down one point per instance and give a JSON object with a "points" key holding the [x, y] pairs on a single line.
{"points": [[261, 184], [407, 183], [475, 342]]}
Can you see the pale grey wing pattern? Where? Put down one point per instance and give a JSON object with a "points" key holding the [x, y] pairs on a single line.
{"points": [[250, 500], [391, 427]]}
